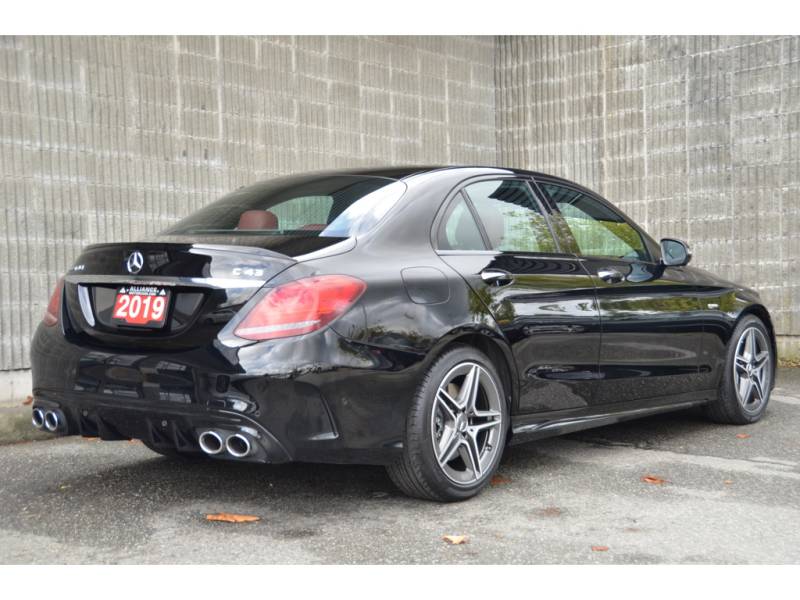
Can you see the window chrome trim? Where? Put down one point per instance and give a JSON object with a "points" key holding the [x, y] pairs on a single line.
{"points": [[543, 255]]}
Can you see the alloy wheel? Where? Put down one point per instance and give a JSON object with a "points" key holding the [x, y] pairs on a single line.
{"points": [[466, 423], [752, 369]]}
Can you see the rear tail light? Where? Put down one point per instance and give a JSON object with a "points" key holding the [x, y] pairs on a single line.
{"points": [[50, 317], [300, 307]]}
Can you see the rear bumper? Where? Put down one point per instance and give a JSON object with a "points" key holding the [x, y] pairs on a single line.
{"points": [[343, 404], [164, 427]]}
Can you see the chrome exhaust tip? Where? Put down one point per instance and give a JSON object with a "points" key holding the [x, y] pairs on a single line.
{"points": [[210, 442], [238, 445], [52, 421], [37, 418]]}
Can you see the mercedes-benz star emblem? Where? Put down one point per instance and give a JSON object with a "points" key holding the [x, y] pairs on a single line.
{"points": [[135, 262]]}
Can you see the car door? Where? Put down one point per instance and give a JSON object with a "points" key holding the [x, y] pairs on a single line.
{"points": [[497, 235], [651, 314]]}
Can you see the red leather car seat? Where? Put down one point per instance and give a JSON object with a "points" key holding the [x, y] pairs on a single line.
{"points": [[257, 219]]}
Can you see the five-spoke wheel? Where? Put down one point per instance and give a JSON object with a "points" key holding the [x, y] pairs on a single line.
{"points": [[456, 428], [747, 380], [465, 422], [752, 370]]}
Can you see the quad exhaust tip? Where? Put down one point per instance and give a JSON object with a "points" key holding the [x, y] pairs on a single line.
{"points": [[52, 421], [238, 445], [38, 418]]}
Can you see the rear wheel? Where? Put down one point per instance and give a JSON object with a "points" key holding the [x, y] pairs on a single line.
{"points": [[455, 431], [747, 380]]}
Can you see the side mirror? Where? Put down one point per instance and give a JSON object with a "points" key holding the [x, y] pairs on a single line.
{"points": [[675, 253]]}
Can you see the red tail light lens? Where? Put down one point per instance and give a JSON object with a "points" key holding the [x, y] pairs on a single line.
{"points": [[50, 317], [300, 307]]}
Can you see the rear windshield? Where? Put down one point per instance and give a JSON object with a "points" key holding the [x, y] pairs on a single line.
{"points": [[338, 206]]}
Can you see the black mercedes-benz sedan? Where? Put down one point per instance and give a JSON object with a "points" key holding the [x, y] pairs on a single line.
{"points": [[420, 318]]}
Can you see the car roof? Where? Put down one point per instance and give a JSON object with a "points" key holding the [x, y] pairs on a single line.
{"points": [[403, 172]]}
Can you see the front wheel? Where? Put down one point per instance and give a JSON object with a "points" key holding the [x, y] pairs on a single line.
{"points": [[455, 431], [746, 383]]}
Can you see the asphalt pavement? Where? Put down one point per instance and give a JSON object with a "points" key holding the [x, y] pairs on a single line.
{"points": [[710, 494]]}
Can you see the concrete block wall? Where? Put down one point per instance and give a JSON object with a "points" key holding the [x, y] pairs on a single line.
{"points": [[694, 137], [114, 138]]}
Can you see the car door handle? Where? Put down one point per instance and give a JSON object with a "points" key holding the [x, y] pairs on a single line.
{"points": [[610, 275], [496, 277]]}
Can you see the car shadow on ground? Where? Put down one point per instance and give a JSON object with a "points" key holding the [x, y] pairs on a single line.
{"points": [[145, 484], [210, 479]]}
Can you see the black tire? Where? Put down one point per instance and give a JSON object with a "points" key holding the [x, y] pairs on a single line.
{"points": [[727, 408], [418, 473], [172, 453]]}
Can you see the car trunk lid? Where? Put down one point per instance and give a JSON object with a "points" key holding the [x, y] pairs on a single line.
{"points": [[204, 286]]}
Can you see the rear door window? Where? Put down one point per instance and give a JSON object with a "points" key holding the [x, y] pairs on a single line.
{"points": [[512, 218]]}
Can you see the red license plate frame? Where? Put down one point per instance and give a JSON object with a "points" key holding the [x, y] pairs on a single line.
{"points": [[143, 306]]}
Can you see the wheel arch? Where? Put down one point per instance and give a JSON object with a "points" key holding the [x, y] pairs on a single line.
{"points": [[760, 311], [494, 347]]}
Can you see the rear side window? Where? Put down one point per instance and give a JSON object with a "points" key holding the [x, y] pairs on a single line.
{"points": [[598, 230], [511, 217], [460, 231], [325, 206]]}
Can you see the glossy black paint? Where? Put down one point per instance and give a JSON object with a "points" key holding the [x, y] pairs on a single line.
{"points": [[574, 350], [549, 316]]}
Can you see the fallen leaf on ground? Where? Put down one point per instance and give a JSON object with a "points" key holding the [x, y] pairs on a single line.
{"points": [[599, 548], [232, 518], [728, 481], [455, 540], [742, 436], [549, 511], [27, 401], [654, 480], [499, 480]]}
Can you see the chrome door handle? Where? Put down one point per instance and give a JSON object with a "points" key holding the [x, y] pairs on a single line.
{"points": [[496, 277], [610, 275]]}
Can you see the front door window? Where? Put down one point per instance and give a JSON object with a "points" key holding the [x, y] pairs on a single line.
{"points": [[598, 230]]}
